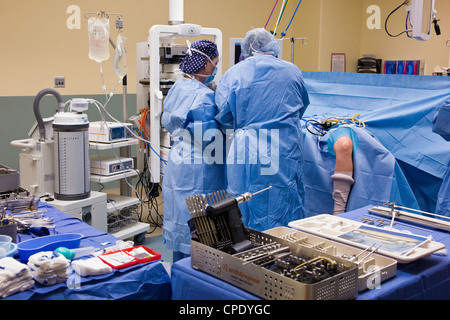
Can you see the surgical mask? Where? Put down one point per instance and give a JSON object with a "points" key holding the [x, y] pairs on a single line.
{"points": [[211, 77]]}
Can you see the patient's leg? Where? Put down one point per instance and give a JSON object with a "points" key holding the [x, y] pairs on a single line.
{"points": [[343, 173]]}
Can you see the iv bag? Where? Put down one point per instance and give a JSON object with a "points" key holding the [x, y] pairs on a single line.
{"points": [[98, 30], [120, 60]]}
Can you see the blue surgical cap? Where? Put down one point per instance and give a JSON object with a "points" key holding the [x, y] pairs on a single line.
{"points": [[259, 40], [194, 60]]}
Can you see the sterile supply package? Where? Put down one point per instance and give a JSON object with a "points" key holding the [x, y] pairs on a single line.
{"points": [[49, 267], [128, 257], [91, 267], [140, 253], [15, 277], [118, 258]]}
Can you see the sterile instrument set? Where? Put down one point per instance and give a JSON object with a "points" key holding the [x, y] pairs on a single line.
{"points": [[319, 257], [314, 259]]}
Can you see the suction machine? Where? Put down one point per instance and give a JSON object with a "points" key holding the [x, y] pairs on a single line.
{"points": [[71, 147]]}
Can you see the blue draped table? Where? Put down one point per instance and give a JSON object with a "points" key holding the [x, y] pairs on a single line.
{"points": [[426, 278], [143, 281]]}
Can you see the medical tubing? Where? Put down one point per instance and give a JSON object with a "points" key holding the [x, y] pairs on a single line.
{"points": [[274, 29], [279, 20], [271, 14], [284, 33], [103, 81], [406, 25], [37, 111], [146, 141], [100, 106], [385, 22]]}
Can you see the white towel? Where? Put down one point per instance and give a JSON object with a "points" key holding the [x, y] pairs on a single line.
{"points": [[49, 268], [91, 267], [48, 261], [14, 277]]}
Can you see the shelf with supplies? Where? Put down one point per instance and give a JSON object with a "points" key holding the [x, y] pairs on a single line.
{"points": [[122, 210]]}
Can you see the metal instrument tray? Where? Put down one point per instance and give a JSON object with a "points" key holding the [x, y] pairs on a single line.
{"points": [[414, 218], [346, 231], [372, 267], [9, 179], [241, 270]]}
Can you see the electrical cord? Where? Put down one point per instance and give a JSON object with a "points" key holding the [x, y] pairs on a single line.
{"points": [[387, 18], [317, 127], [320, 128], [145, 190]]}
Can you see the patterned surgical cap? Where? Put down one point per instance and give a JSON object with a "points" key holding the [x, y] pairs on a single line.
{"points": [[194, 60]]}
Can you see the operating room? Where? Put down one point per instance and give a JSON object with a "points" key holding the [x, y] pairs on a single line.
{"points": [[272, 135]]}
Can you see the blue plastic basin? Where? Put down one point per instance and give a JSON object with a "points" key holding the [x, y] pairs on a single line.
{"points": [[48, 243]]}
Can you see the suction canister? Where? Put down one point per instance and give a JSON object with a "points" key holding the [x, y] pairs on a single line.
{"points": [[71, 141]]}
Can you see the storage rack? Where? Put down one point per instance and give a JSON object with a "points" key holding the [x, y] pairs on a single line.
{"points": [[119, 207]]}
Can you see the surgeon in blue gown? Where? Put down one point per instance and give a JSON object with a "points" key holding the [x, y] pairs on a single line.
{"points": [[189, 115], [260, 102], [441, 126]]}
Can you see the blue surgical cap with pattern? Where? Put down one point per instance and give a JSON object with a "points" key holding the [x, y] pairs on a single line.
{"points": [[194, 60]]}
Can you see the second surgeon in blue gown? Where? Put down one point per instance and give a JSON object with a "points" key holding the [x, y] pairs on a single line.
{"points": [[260, 102], [189, 112]]}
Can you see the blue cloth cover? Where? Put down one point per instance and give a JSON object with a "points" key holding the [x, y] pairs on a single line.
{"points": [[339, 132], [261, 100], [441, 126], [378, 177], [139, 282], [398, 110], [189, 112], [423, 279]]}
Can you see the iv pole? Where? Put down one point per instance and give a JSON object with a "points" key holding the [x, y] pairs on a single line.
{"points": [[123, 151], [305, 41]]}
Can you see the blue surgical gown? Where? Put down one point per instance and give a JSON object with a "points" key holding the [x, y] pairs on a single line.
{"points": [[260, 102], [195, 166]]}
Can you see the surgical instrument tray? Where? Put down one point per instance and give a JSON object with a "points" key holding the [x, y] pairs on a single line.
{"points": [[403, 247], [262, 264], [373, 268], [277, 269]]}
